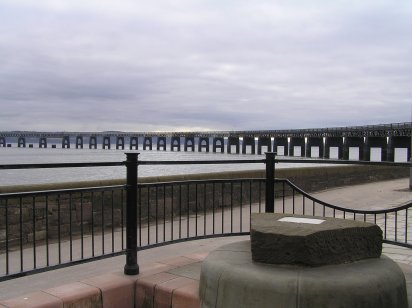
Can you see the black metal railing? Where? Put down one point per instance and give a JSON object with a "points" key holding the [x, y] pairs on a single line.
{"points": [[49, 229]]}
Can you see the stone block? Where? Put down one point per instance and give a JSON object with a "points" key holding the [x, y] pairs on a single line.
{"points": [[35, 299], [145, 288], [117, 291], [186, 296], [333, 241], [77, 294], [164, 291]]}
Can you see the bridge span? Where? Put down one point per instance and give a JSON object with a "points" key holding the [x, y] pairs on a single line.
{"points": [[355, 142]]}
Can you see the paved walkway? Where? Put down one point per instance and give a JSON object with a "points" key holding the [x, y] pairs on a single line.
{"points": [[368, 196]]}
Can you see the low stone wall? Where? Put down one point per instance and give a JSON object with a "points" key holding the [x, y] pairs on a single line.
{"points": [[78, 213]]}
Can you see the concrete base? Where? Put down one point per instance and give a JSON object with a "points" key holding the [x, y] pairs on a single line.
{"points": [[229, 278]]}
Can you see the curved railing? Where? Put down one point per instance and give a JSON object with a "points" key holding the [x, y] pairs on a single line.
{"points": [[393, 221], [44, 230]]}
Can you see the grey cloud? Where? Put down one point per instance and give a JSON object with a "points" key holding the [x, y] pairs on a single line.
{"points": [[213, 65]]}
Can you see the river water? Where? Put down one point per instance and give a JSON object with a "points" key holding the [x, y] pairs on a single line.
{"points": [[16, 155]]}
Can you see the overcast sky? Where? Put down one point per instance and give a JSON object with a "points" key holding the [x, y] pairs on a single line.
{"points": [[203, 65]]}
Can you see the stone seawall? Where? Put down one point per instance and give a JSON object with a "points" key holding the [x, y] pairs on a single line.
{"points": [[82, 213]]}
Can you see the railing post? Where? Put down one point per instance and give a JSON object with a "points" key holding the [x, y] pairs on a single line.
{"points": [[270, 182], [131, 267]]}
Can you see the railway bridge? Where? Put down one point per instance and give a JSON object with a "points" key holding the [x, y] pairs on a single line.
{"points": [[353, 142]]}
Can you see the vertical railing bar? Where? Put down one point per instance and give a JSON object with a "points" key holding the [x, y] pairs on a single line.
{"points": [[180, 211], [112, 201], [231, 207], [344, 214], [122, 216], [172, 213], [396, 226], [204, 209], [385, 225], [364, 217], [313, 207], [81, 226], [21, 232], [334, 213], [324, 211], [47, 231], [164, 212], [34, 233], [283, 197], [354, 216], [241, 204], [59, 228], [188, 211], [260, 197], [406, 225], [223, 207], [196, 197], [92, 219], [213, 207], [157, 214], [270, 182], [148, 215], [375, 218], [293, 200], [140, 189], [102, 204], [250, 204], [303, 197], [70, 226], [7, 236]]}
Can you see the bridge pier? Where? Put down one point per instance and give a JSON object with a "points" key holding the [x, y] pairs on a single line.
{"points": [[219, 143], [147, 143], [232, 140], [334, 142], [175, 143], [353, 142], [2, 142], [264, 141], [248, 141], [161, 143], [21, 142], [398, 142], [66, 142], [314, 142], [106, 143], [42, 142], [93, 142], [375, 142], [79, 142], [297, 142], [190, 143], [281, 142], [204, 144], [134, 143], [120, 143]]}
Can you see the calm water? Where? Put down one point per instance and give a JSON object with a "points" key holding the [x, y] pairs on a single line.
{"points": [[17, 155], [35, 155]]}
